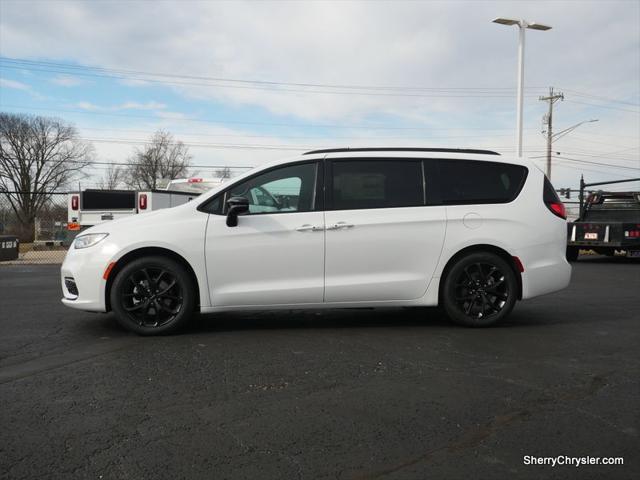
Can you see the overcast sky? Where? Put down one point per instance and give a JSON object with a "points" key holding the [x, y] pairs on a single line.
{"points": [[282, 76]]}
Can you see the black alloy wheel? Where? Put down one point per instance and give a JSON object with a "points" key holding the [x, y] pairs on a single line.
{"points": [[479, 290], [153, 295]]}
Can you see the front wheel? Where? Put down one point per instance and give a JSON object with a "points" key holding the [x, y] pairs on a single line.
{"points": [[479, 290], [153, 296]]}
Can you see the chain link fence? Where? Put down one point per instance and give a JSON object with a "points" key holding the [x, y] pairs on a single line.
{"points": [[43, 239]]}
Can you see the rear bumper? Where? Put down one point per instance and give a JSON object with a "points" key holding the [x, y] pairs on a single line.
{"points": [[546, 269], [606, 235], [546, 278]]}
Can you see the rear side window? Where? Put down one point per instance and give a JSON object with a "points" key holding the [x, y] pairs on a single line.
{"points": [[466, 182], [549, 194], [373, 183]]}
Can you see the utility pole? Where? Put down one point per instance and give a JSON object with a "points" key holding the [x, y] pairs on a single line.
{"points": [[552, 98]]}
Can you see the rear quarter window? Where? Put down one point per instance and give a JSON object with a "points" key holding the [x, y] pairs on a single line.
{"points": [[463, 182]]}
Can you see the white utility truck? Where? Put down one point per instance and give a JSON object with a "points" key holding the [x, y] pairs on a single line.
{"points": [[92, 206]]}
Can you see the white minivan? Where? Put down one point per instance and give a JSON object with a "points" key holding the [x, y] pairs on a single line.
{"points": [[465, 229]]}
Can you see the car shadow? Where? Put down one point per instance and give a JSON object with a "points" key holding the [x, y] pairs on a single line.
{"points": [[323, 319], [595, 259]]}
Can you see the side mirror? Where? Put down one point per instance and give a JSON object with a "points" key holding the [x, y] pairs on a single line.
{"points": [[237, 206]]}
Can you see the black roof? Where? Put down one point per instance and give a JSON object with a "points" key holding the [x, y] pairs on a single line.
{"points": [[404, 149]]}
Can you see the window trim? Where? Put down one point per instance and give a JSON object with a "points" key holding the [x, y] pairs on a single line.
{"points": [[328, 184], [317, 201]]}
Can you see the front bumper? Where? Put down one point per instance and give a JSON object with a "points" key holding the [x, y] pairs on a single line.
{"points": [[85, 268]]}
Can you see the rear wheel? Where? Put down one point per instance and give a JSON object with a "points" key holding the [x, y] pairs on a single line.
{"points": [[479, 290], [153, 296]]}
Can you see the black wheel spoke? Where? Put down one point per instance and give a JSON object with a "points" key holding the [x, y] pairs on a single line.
{"points": [[137, 306], [157, 280], [151, 283], [470, 306], [170, 297], [501, 296], [468, 275], [171, 285], [465, 297], [481, 276]]}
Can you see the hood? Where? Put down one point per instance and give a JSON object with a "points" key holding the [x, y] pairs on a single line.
{"points": [[137, 221]]}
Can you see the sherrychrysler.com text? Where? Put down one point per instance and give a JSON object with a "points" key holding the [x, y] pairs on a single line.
{"points": [[562, 460]]}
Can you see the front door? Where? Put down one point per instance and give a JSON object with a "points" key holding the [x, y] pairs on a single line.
{"points": [[382, 241], [275, 255]]}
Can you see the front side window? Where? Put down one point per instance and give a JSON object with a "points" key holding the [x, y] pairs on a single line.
{"points": [[373, 183], [286, 189], [465, 182]]}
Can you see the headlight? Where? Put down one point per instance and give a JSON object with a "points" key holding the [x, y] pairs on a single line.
{"points": [[89, 240]]}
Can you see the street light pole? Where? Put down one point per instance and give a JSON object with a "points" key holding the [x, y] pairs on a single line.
{"points": [[522, 24], [520, 106]]}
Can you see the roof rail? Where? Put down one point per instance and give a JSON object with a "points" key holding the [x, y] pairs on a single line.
{"points": [[404, 149]]}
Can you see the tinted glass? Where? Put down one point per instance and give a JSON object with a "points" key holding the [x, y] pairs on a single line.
{"points": [[469, 181], [549, 195], [108, 200], [360, 184], [286, 189]]}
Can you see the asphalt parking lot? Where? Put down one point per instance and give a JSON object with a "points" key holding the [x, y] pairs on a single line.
{"points": [[351, 394]]}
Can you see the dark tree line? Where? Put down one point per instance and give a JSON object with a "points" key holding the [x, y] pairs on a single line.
{"points": [[38, 155], [41, 155]]}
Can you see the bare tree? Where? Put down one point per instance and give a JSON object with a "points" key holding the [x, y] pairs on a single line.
{"points": [[163, 158], [223, 173], [113, 177], [38, 155]]}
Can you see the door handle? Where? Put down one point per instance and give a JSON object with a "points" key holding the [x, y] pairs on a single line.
{"points": [[309, 228], [340, 226]]}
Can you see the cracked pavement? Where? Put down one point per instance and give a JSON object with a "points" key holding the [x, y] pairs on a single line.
{"points": [[344, 394]]}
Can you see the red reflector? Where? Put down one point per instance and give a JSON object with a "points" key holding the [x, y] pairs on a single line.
{"points": [[142, 201], [75, 201], [73, 226], [518, 263], [108, 270], [558, 209]]}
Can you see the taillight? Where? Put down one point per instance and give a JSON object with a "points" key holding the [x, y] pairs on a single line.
{"points": [[551, 200], [558, 209], [142, 201], [632, 233], [75, 202]]}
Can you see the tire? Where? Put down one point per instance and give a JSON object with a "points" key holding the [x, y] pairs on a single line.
{"points": [[153, 296], [479, 290], [572, 254]]}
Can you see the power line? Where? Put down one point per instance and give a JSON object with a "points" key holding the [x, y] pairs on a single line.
{"points": [[237, 122], [605, 106], [305, 137], [597, 163], [477, 94], [601, 97], [104, 71]]}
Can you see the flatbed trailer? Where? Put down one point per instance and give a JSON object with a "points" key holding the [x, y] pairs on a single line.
{"points": [[608, 222]]}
